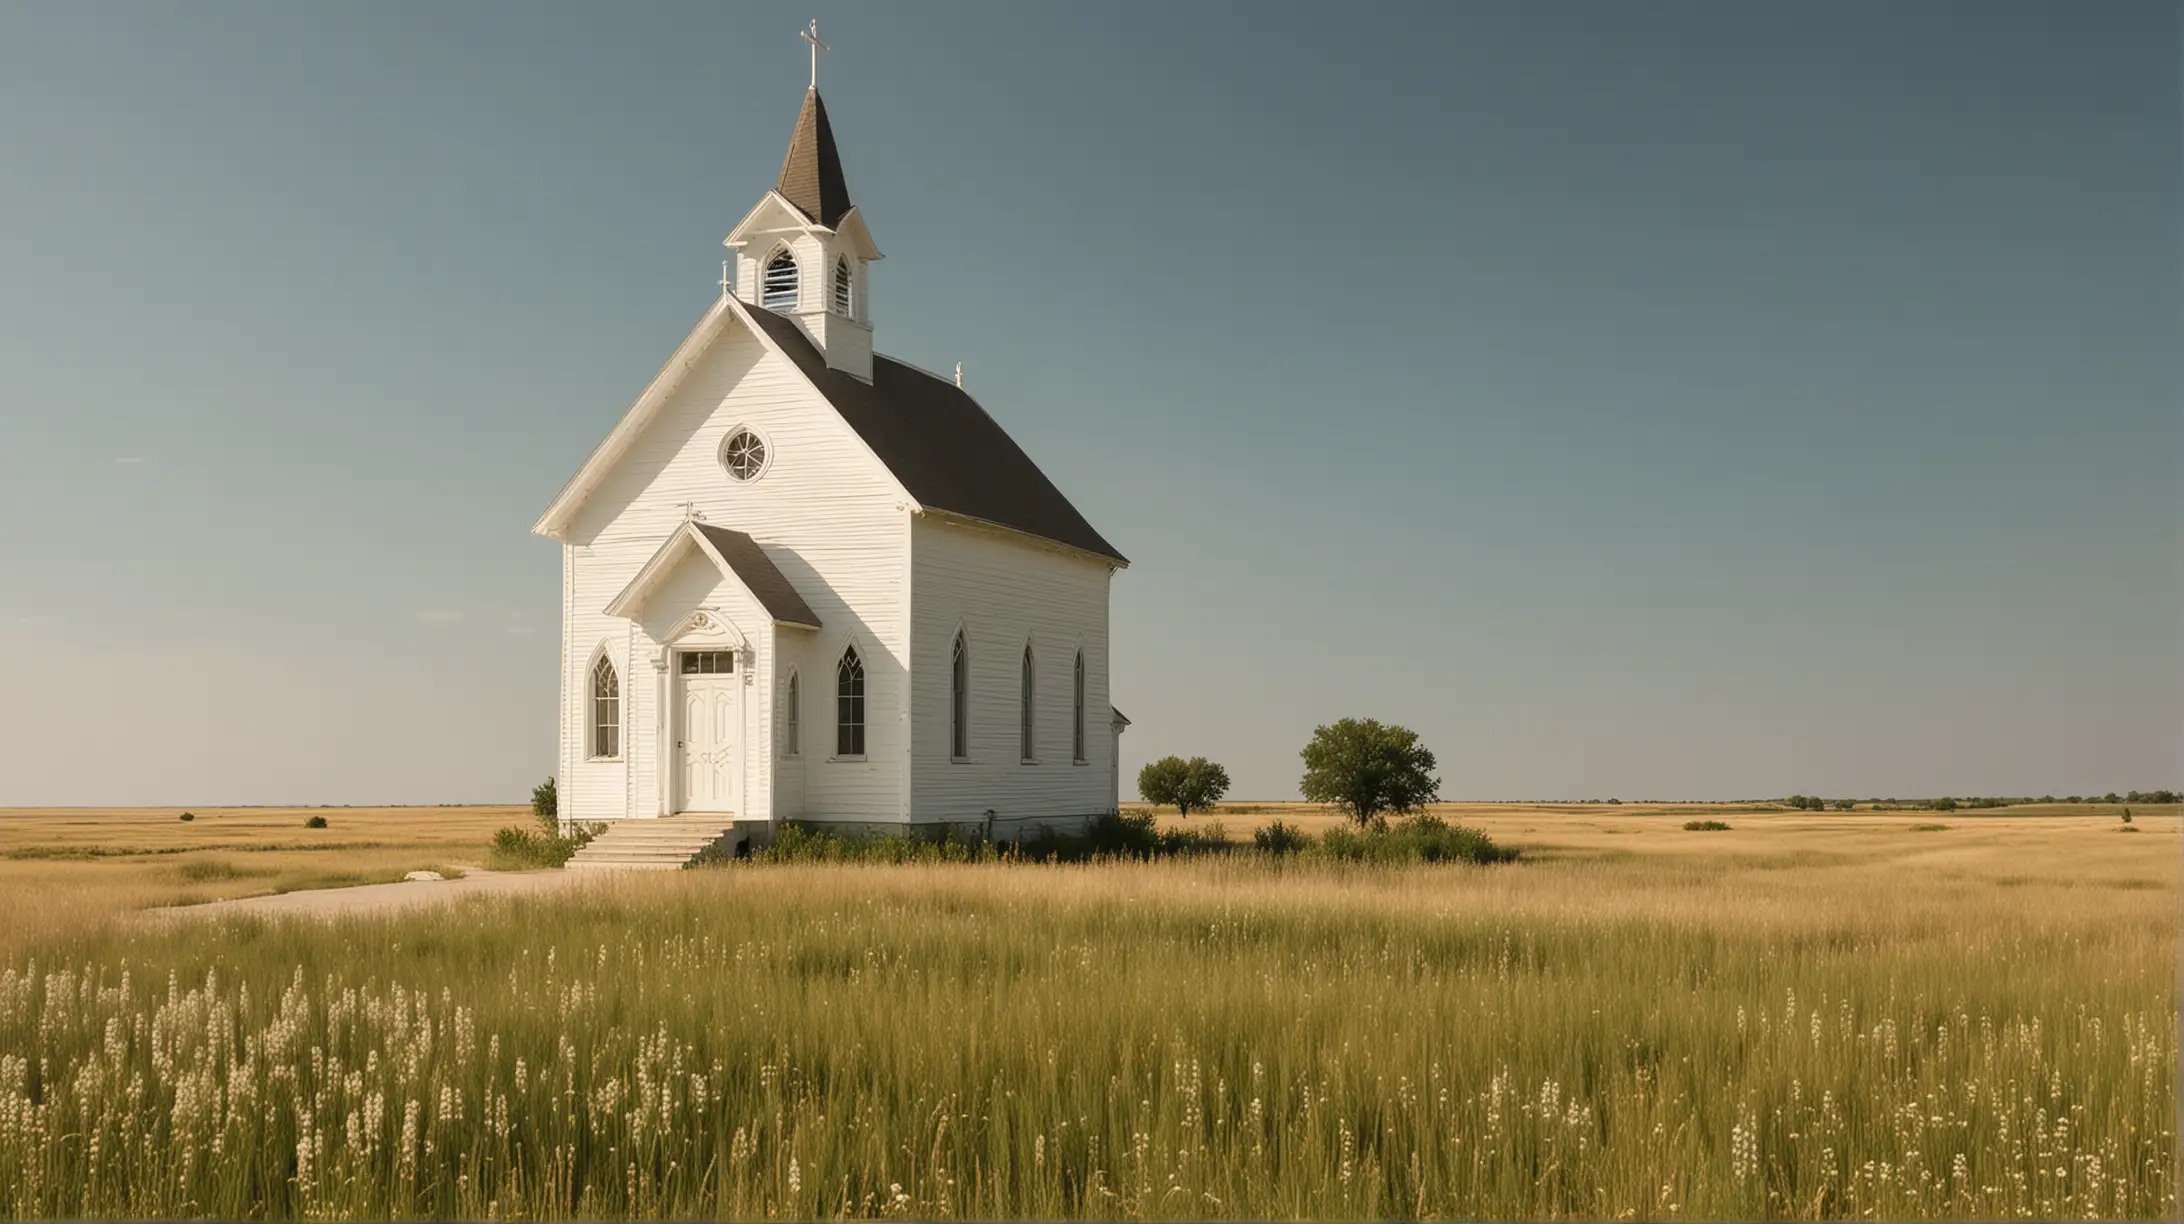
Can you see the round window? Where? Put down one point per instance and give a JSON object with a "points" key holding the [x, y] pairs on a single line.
{"points": [[744, 454]]}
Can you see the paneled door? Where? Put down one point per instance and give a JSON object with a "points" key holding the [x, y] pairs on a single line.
{"points": [[711, 710]]}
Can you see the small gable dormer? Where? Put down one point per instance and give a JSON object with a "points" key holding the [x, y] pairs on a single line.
{"points": [[804, 251]]}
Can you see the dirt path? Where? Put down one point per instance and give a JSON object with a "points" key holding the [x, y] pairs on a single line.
{"points": [[377, 898]]}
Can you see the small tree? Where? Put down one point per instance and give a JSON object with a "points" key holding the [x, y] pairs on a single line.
{"points": [[2127, 815], [1366, 768], [1187, 786], [546, 805]]}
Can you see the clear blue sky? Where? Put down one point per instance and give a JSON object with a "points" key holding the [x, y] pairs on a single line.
{"points": [[1663, 400]]}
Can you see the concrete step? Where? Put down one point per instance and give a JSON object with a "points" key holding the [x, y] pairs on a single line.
{"points": [[662, 844]]}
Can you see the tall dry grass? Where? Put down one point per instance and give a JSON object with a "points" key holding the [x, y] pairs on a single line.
{"points": [[1737, 1033]]}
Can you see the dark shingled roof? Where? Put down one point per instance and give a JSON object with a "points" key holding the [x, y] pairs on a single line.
{"points": [[767, 583], [940, 444], [811, 175]]}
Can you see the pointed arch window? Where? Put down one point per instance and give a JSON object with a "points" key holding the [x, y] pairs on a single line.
{"points": [[849, 705], [1076, 708], [1026, 729], [606, 710], [779, 288], [792, 724], [959, 700], [842, 288]]}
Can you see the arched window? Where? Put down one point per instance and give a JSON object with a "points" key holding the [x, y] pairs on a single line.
{"points": [[606, 710], [779, 291], [792, 726], [849, 705], [842, 300], [1076, 729], [959, 701], [1025, 729]]}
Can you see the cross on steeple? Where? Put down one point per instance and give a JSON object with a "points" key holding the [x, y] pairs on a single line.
{"points": [[811, 35], [724, 281]]}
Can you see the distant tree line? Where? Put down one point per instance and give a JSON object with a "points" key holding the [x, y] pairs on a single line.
{"points": [[1950, 803]]}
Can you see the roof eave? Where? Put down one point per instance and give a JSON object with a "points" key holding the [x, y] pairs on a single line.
{"points": [[555, 522], [749, 227], [1111, 560]]}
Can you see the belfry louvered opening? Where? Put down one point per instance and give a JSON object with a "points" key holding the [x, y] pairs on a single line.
{"points": [[779, 289]]}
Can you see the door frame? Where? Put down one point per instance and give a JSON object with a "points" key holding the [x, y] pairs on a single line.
{"points": [[705, 628], [679, 706]]}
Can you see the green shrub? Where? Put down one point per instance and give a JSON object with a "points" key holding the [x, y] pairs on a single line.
{"points": [[515, 848], [316, 822], [1421, 839], [188, 816], [1928, 828], [1705, 826], [801, 843], [1123, 834], [2127, 815], [1281, 838], [546, 805], [1943, 804]]}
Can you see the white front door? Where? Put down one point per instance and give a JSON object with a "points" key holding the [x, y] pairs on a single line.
{"points": [[711, 717]]}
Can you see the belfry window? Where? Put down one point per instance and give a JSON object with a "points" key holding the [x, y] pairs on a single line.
{"points": [[842, 301], [779, 291]]}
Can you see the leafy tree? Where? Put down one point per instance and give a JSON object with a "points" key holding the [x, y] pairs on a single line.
{"points": [[546, 805], [1943, 804], [1188, 786], [2127, 815], [1846, 805], [1367, 768]]}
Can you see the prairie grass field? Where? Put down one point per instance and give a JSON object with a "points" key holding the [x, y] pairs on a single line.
{"points": [[1899, 1014]]}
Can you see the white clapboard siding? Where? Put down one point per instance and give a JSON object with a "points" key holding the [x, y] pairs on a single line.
{"points": [[1003, 589], [794, 653], [827, 514]]}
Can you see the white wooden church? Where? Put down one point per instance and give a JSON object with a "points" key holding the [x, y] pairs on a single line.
{"points": [[805, 581]]}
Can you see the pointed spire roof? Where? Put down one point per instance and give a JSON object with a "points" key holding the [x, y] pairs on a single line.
{"points": [[811, 175]]}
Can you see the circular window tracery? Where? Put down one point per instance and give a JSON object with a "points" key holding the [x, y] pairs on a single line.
{"points": [[744, 454]]}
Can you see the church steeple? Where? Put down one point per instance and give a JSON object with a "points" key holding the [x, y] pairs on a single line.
{"points": [[811, 174], [804, 251]]}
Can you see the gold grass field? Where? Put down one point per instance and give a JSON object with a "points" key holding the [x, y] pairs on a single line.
{"points": [[1806, 1015]]}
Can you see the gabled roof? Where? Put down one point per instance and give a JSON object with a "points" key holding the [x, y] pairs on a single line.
{"points": [[943, 448], [767, 584], [736, 555], [931, 436], [811, 174]]}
